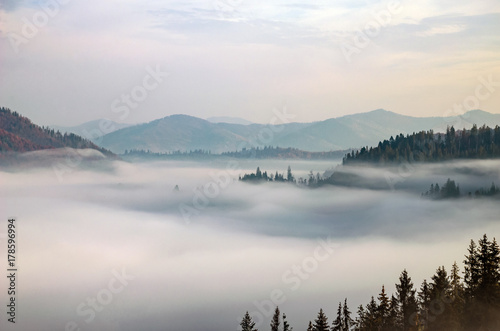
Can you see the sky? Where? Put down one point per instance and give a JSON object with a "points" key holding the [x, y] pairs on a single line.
{"points": [[65, 62]]}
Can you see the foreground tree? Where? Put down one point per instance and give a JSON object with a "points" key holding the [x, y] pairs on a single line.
{"points": [[286, 326], [337, 324], [247, 324], [347, 320], [275, 322], [407, 302], [440, 295], [321, 322]]}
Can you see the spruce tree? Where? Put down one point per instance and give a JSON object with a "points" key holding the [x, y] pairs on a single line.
{"points": [[337, 323], [440, 293], [472, 278], [383, 309], [321, 322], [488, 294], [289, 176], [286, 326], [424, 301], [392, 318], [371, 316], [360, 319], [348, 322], [407, 301], [275, 322], [457, 298], [247, 324]]}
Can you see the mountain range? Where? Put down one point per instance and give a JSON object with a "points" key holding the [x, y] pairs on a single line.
{"points": [[93, 129], [185, 133]]}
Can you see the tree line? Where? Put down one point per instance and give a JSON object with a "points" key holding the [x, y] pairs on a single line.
{"points": [[448, 302], [426, 146], [452, 190], [266, 152], [258, 176]]}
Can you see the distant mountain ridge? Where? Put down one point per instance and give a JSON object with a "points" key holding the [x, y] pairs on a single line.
{"points": [[229, 120], [185, 133], [92, 129]]}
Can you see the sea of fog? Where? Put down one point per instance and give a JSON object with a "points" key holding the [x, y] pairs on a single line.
{"points": [[114, 246]]}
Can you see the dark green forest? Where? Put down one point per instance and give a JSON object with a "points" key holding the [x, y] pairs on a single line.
{"points": [[427, 146], [449, 301]]}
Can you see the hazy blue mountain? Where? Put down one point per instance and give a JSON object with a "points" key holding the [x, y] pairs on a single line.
{"points": [[228, 119], [93, 129], [184, 133]]}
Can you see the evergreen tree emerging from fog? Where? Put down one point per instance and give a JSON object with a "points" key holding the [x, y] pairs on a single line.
{"points": [[448, 302], [427, 146]]}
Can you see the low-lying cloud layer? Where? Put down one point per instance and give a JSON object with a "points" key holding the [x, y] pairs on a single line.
{"points": [[108, 248]]}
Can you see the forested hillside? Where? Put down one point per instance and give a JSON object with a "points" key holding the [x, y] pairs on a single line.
{"points": [[476, 143], [19, 134]]}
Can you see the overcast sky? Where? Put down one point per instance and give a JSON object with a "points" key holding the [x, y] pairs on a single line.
{"points": [[243, 58]]}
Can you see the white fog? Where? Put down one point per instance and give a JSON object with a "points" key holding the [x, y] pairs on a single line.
{"points": [[115, 232]]}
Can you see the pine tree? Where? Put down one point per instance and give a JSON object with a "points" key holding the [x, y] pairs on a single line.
{"points": [[488, 293], [360, 319], [440, 293], [472, 277], [392, 318], [275, 322], [286, 326], [247, 324], [382, 309], [289, 176], [348, 322], [321, 322], [424, 301], [371, 316], [457, 298], [337, 324], [407, 301], [310, 327]]}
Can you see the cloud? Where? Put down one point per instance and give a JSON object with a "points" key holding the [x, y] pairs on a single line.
{"points": [[229, 258], [445, 29], [246, 58]]}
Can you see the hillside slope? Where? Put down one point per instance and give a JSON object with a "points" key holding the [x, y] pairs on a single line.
{"points": [[19, 134]]}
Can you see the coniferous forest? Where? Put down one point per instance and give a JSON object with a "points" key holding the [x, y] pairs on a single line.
{"points": [[427, 146], [451, 300]]}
